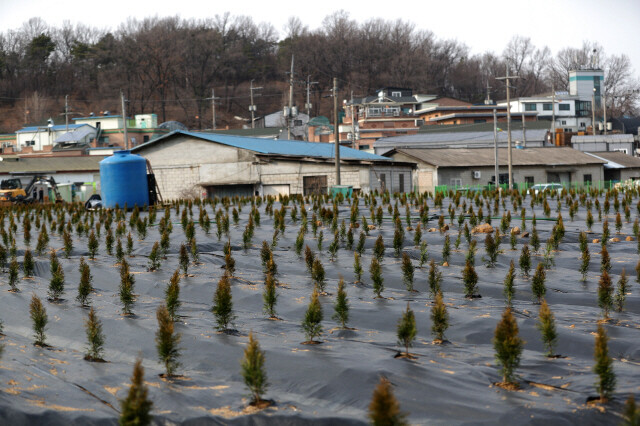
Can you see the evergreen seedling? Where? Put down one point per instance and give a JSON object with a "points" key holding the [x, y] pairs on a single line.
{"points": [[470, 280], [509, 287], [538, 287], [95, 337], [375, 271], [318, 275], [270, 297], [28, 265], [126, 288], [604, 366], [621, 293], [525, 261], [407, 271], [308, 258], [439, 318], [56, 285], [319, 240], [93, 245], [362, 238], [384, 409], [223, 304], [341, 307], [605, 260], [14, 270], [446, 250], [172, 295], [84, 287], [154, 257], [253, 370], [424, 254], [357, 267], [312, 322], [547, 326], [68, 243], [605, 294], [407, 329], [39, 319], [43, 241], [108, 242], [507, 345], [378, 248], [129, 244], [585, 259], [167, 341], [183, 258], [534, 240], [136, 407], [434, 278]]}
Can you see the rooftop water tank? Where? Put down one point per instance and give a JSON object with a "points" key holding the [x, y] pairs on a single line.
{"points": [[123, 180]]}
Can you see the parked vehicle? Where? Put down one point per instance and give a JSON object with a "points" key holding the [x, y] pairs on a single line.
{"points": [[547, 187]]}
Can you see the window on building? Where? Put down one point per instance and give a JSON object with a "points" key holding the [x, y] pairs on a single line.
{"points": [[396, 94], [477, 120], [362, 147], [546, 107], [564, 107], [297, 122], [587, 178], [530, 107], [529, 180], [455, 182], [582, 124], [563, 122], [145, 138], [401, 182]]}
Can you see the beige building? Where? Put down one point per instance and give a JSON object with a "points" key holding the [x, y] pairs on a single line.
{"points": [[462, 167], [192, 164]]}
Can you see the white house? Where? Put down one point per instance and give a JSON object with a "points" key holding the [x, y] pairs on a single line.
{"points": [[40, 136], [572, 109]]}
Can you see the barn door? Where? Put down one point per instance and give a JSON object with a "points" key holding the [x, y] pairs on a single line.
{"points": [[314, 185]]}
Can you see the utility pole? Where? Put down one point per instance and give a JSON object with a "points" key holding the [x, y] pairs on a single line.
{"points": [[66, 112], [308, 104], [604, 111], [495, 147], [290, 115], [507, 79], [593, 112], [124, 121], [213, 106], [524, 131], [252, 107], [553, 114], [336, 130]]}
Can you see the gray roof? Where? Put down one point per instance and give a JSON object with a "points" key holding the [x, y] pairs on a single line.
{"points": [[617, 160], [50, 164], [260, 132], [482, 127], [77, 135], [373, 99], [602, 138], [483, 157], [422, 140]]}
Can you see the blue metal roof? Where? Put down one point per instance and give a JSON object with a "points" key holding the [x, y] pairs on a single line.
{"points": [[55, 128], [275, 147]]}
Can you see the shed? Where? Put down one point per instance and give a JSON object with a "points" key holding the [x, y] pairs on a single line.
{"points": [[476, 166], [618, 166], [197, 164]]}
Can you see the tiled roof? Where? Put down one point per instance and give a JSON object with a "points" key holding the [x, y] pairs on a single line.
{"points": [[617, 160]]}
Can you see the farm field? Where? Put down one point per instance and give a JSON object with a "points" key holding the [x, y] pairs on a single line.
{"points": [[457, 381]]}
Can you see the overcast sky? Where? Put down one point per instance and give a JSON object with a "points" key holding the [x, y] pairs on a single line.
{"points": [[481, 25]]}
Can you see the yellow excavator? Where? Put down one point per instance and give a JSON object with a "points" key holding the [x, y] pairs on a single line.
{"points": [[11, 191]]}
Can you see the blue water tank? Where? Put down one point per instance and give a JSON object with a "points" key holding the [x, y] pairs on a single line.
{"points": [[123, 180]]}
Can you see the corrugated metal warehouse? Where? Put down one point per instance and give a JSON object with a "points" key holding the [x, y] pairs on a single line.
{"points": [[467, 167], [192, 164]]}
